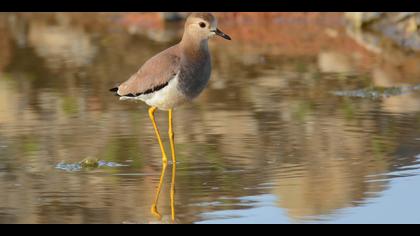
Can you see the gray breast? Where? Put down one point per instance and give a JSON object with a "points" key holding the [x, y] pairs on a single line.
{"points": [[194, 75]]}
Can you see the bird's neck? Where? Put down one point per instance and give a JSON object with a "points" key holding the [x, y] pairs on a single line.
{"points": [[194, 47]]}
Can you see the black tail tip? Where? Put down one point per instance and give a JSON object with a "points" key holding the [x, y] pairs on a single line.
{"points": [[115, 91]]}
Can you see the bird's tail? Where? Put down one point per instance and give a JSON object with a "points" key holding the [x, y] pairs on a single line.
{"points": [[115, 91]]}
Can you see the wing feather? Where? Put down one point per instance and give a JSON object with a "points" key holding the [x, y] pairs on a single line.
{"points": [[154, 74]]}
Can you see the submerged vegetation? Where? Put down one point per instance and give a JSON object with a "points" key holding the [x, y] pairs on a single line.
{"points": [[86, 164], [378, 92]]}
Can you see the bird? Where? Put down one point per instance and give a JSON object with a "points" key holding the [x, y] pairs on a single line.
{"points": [[176, 75]]}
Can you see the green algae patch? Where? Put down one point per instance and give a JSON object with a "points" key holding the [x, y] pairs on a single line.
{"points": [[87, 164]]}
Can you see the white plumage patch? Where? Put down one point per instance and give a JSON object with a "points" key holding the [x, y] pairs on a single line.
{"points": [[165, 98]]}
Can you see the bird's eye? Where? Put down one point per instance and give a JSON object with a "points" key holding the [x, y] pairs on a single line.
{"points": [[202, 24]]}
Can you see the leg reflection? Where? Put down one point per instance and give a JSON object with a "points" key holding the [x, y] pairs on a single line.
{"points": [[154, 209], [173, 191]]}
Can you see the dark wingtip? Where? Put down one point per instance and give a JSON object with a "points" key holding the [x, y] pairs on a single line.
{"points": [[115, 91]]}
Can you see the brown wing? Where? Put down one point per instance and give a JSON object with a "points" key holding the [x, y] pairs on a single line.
{"points": [[154, 74]]}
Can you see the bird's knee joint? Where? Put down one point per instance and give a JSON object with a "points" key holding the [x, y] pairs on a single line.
{"points": [[152, 112]]}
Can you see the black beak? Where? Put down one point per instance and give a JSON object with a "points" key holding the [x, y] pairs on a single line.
{"points": [[221, 34]]}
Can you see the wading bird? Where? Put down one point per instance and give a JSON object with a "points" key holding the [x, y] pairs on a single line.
{"points": [[176, 75], [172, 77]]}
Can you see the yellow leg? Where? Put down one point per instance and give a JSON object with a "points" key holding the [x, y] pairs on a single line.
{"points": [[171, 138], [152, 117], [153, 209], [154, 205]]}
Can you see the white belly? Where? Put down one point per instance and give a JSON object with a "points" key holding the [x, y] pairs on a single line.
{"points": [[166, 98]]}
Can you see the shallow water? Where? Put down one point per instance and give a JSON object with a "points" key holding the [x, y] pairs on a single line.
{"points": [[268, 141]]}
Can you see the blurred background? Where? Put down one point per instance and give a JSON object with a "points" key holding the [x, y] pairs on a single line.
{"points": [[308, 117]]}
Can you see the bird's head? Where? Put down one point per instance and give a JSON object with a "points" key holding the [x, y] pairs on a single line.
{"points": [[203, 26]]}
